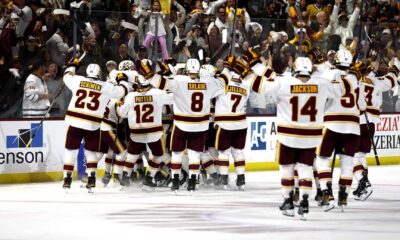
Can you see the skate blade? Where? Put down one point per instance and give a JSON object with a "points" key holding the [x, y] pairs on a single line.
{"points": [[90, 190], [225, 187], [288, 213], [66, 190], [176, 192], [303, 216], [342, 208], [329, 207], [366, 196], [241, 188]]}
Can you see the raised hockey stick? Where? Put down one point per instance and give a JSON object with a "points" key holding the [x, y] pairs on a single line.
{"points": [[48, 110], [233, 33], [371, 137]]}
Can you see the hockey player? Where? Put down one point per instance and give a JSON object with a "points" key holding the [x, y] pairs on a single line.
{"points": [[85, 113], [191, 106], [300, 104], [230, 119], [341, 132], [371, 87], [111, 125], [143, 109], [210, 154]]}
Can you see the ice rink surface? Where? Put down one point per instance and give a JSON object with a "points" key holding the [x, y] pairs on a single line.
{"points": [[42, 211]]}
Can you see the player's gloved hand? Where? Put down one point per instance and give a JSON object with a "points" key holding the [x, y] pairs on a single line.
{"points": [[121, 77], [251, 57], [75, 62], [171, 61], [119, 102], [358, 69], [241, 68], [164, 69], [229, 62]]}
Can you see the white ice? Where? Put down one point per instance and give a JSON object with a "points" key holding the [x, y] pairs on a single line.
{"points": [[43, 211]]}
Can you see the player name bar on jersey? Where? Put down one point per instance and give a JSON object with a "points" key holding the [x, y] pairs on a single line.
{"points": [[141, 99], [90, 85], [197, 86], [237, 90], [304, 89]]}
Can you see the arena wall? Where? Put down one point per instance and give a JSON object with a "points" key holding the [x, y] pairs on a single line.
{"points": [[43, 160]]}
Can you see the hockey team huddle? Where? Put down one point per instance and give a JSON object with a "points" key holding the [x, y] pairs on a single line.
{"points": [[321, 109]]}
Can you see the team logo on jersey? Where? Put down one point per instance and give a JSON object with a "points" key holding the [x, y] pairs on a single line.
{"points": [[304, 89], [258, 136], [24, 135]]}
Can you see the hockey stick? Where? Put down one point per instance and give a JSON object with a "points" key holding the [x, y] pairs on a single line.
{"points": [[48, 110], [114, 156], [233, 33], [371, 137], [333, 161]]}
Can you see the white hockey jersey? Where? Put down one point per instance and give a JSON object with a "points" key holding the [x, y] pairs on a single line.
{"points": [[230, 108], [144, 113], [342, 114], [89, 100], [300, 108], [192, 101], [371, 88]]}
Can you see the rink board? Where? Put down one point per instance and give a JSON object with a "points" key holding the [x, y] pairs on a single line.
{"points": [[43, 159]]}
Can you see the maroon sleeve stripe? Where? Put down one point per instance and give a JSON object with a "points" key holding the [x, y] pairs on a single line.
{"points": [[84, 116]]}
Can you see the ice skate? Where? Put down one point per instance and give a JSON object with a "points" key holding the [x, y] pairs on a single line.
{"points": [[296, 197], [125, 179], [342, 197], [175, 183], [117, 178], [67, 182], [240, 182], [91, 182], [192, 183], [212, 179], [106, 179], [318, 196], [148, 184], [161, 179], [224, 182], [327, 202], [364, 189], [287, 207], [303, 208]]}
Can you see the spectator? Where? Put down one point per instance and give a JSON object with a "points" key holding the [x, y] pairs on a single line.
{"points": [[54, 83], [158, 34], [36, 99], [341, 25], [58, 47]]}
